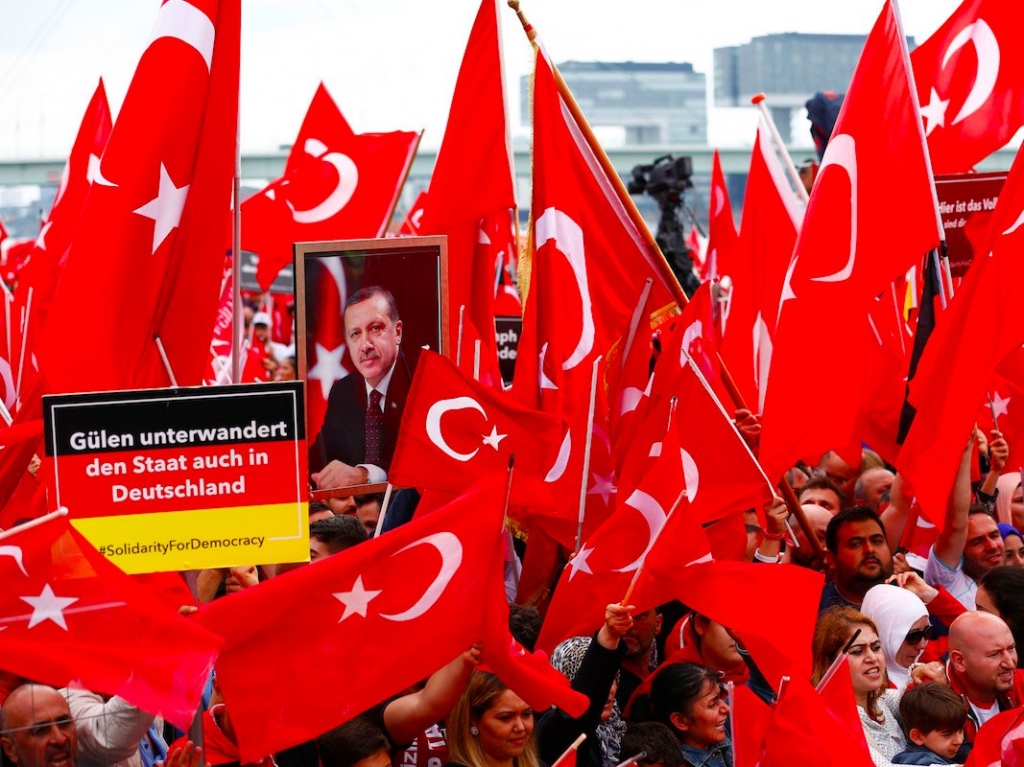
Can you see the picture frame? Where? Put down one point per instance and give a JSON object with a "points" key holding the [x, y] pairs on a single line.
{"points": [[415, 271]]}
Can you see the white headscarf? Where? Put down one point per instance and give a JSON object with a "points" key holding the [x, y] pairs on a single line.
{"points": [[894, 610]]}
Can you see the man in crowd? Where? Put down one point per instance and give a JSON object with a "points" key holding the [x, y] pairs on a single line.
{"points": [[641, 655], [334, 534], [839, 471], [871, 486], [969, 543], [859, 555], [36, 728], [360, 428], [983, 667], [822, 491]]}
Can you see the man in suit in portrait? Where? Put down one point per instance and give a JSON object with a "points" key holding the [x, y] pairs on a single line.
{"points": [[364, 409]]}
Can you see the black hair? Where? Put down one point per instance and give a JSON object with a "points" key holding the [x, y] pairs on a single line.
{"points": [[1005, 586], [338, 533], [656, 740], [351, 742], [854, 514], [932, 706]]}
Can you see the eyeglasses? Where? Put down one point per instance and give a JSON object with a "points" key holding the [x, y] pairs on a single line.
{"points": [[915, 636]]}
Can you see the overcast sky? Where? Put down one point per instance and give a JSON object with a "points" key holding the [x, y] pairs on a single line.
{"points": [[390, 64]]}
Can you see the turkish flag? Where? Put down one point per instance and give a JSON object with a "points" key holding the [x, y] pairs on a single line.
{"points": [[970, 84], [802, 730], [771, 220], [722, 235], [999, 742], [218, 370], [70, 616], [601, 571], [411, 224], [44, 264], [629, 375], [408, 589], [337, 184], [476, 150], [148, 250], [750, 717], [982, 325], [1005, 399], [837, 693], [326, 352], [14, 459], [455, 430], [840, 262], [745, 597]]}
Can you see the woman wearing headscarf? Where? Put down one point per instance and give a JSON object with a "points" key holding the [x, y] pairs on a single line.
{"points": [[904, 629], [591, 664]]}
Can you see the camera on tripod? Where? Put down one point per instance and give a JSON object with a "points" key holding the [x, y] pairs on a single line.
{"points": [[666, 179]]}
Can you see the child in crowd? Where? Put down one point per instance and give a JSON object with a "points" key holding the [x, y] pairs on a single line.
{"points": [[933, 719]]}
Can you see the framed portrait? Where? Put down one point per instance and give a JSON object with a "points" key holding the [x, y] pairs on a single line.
{"points": [[396, 291]]}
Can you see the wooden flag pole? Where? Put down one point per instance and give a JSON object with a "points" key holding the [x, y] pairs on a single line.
{"points": [[573, 747], [458, 338], [165, 360], [654, 540], [992, 407], [62, 511], [383, 510]]}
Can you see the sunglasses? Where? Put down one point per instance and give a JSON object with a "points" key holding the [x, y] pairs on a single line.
{"points": [[915, 636]]}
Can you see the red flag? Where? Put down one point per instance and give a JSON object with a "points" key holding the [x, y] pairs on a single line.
{"points": [[745, 598], [628, 376], [69, 615], [148, 249], [837, 693], [768, 232], [803, 731], [1004, 398], [750, 718], [601, 572], [43, 268], [982, 325], [336, 185], [970, 83], [721, 226], [479, 225], [877, 137], [414, 218], [328, 354], [408, 589], [455, 430], [218, 371]]}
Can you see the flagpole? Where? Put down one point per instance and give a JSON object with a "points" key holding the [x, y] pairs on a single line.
{"points": [[506, 534], [24, 341], [573, 747], [636, 757], [163, 359], [383, 510], [5, 413], [476, 360], [654, 540], [606, 164], [586, 455], [992, 407], [237, 324], [458, 340], [940, 229], [636, 319], [794, 176], [61, 512]]}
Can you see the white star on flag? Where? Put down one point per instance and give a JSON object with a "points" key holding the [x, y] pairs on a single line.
{"points": [[492, 439], [356, 600], [934, 113], [1000, 405], [603, 486], [48, 607], [165, 209], [328, 368], [579, 562]]}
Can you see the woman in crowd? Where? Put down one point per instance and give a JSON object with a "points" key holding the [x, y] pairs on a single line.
{"points": [[1001, 592], [491, 726], [1013, 544], [690, 700], [592, 665], [904, 629], [878, 705]]}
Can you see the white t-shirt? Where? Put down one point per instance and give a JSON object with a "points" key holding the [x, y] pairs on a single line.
{"points": [[955, 581]]}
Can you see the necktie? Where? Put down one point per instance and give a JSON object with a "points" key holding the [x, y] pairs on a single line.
{"points": [[374, 428]]}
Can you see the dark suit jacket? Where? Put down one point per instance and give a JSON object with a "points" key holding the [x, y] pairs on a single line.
{"points": [[343, 434]]}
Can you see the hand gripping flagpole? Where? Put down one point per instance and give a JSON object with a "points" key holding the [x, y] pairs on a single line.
{"points": [[759, 102]]}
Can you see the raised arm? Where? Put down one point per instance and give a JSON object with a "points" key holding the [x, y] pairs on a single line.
{"points": [[949, 546]]}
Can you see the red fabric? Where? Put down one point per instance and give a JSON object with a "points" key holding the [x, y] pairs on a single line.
{"points": [[455, 430], [721, 226], [1006, 390], [588, 264], [771, 220], [642, 524], [999, 742], [336, 185], [426, 580], [975, 64], [881, 230], [628, 375], [750, 717], [745, 598], [326, 352], [102, 630], [14, 459], [217, 747], [1007, 700], [148, 250], [43, 268], [530, 675], [414, 217], [728, 538], [803, 731], [837, 693], [479, 225], [218, 370], [982, 325]]}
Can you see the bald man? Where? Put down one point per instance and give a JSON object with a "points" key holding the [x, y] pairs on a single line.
{"points": [[818, 517], [983, 666], [871, 485], [37, 728]]}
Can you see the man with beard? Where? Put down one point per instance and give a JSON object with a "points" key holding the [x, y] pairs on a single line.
{"points": [[36, 728], [858, 554]]}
